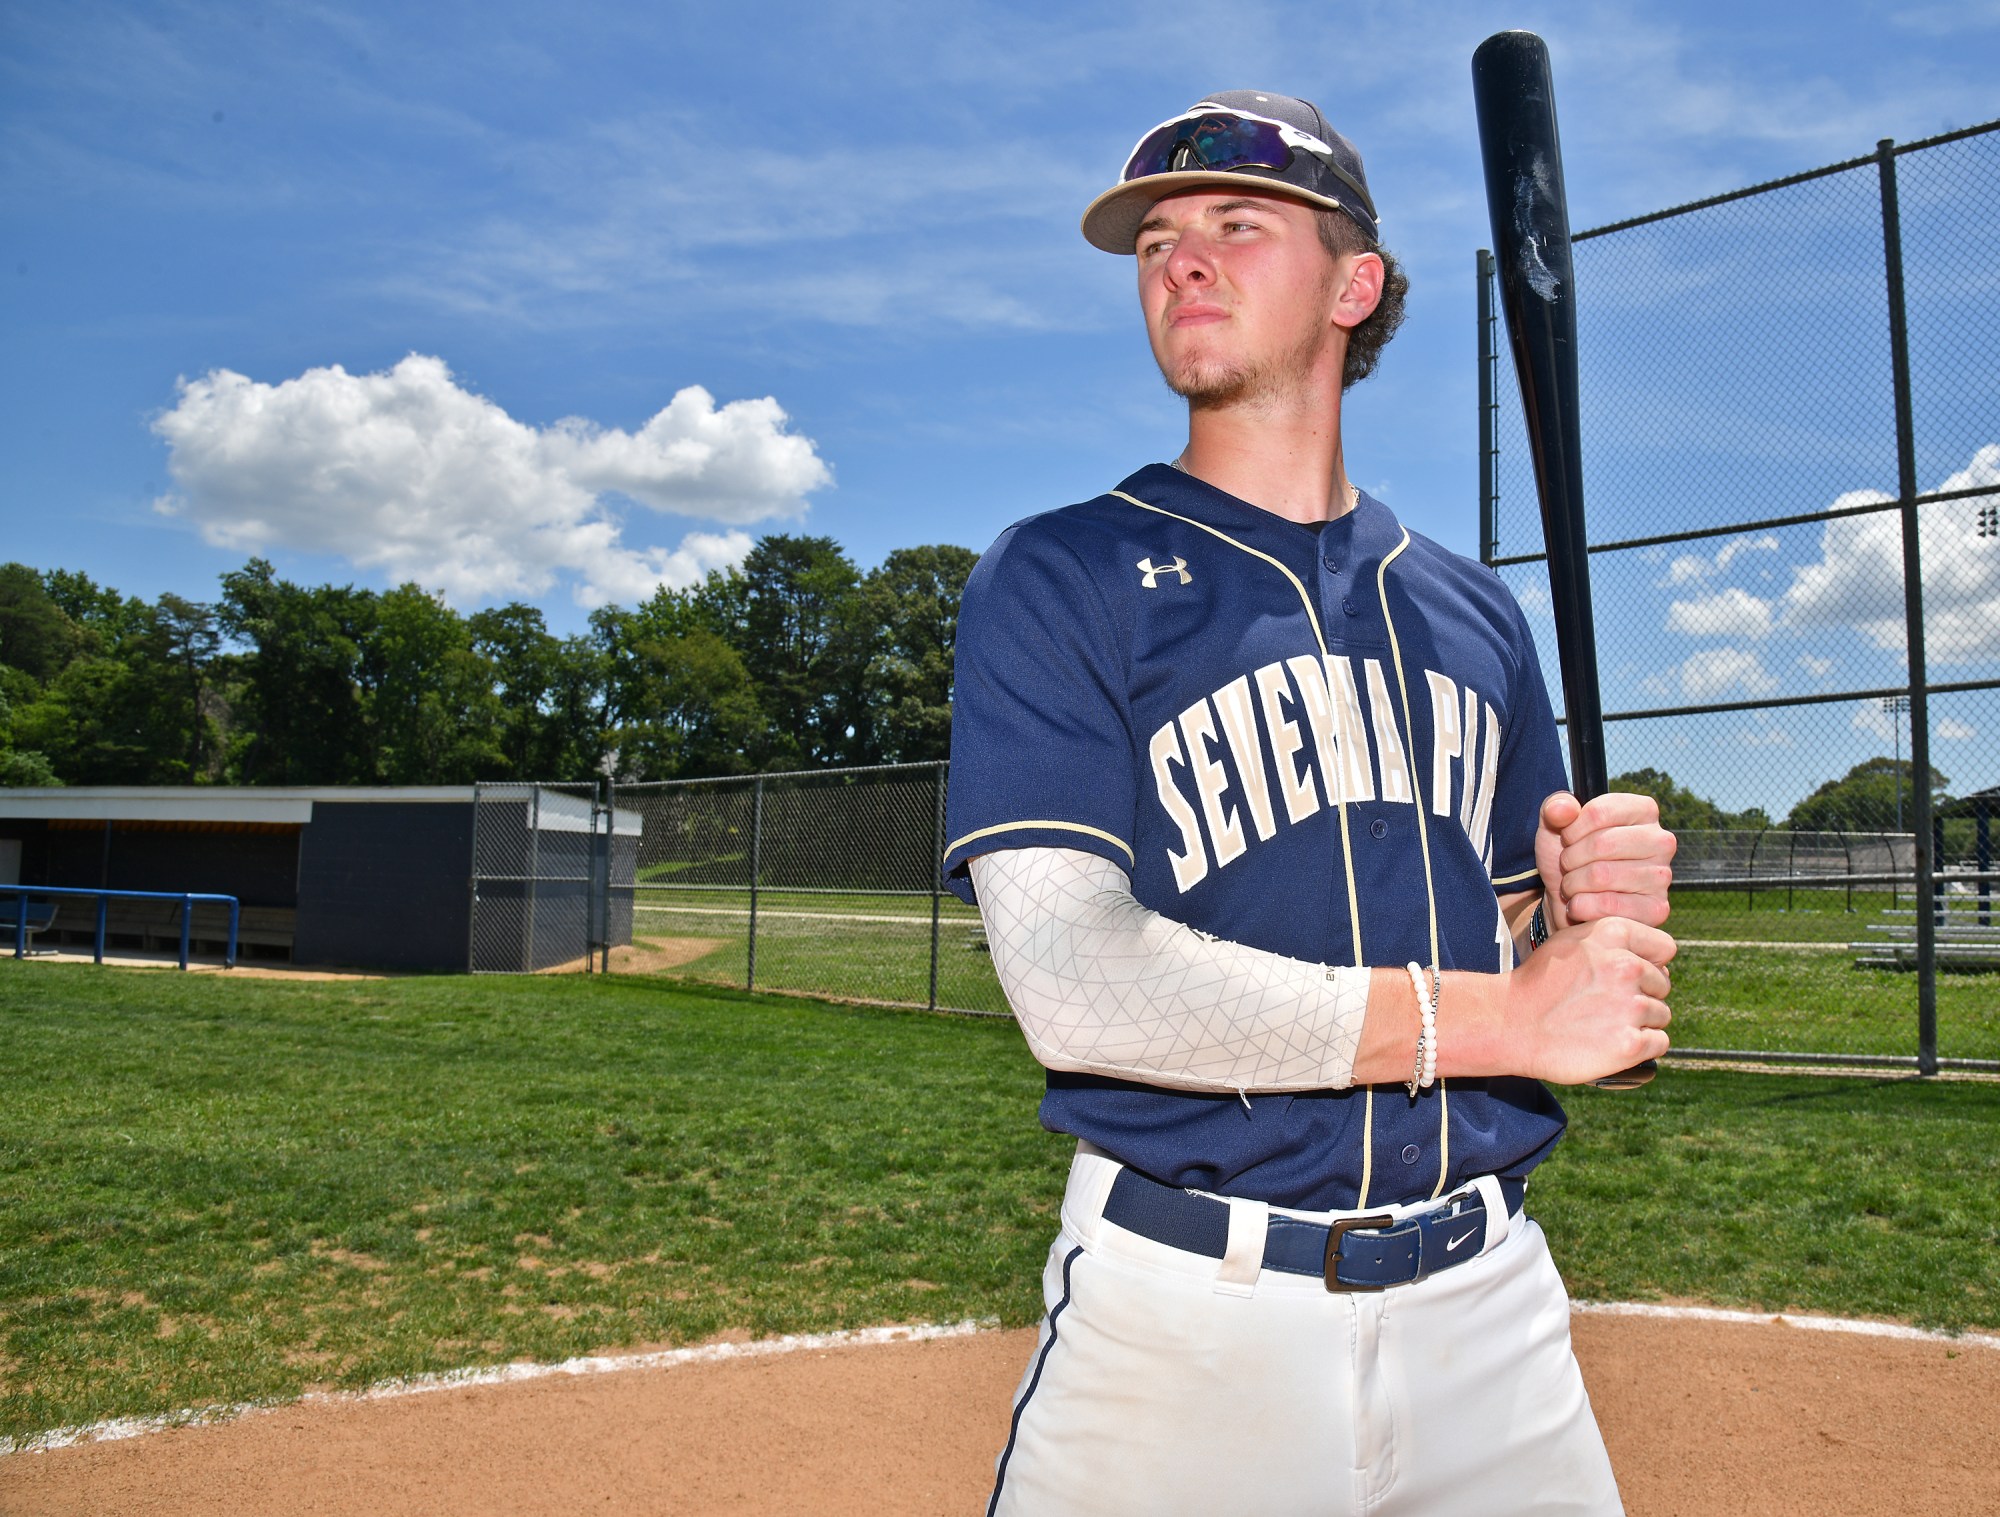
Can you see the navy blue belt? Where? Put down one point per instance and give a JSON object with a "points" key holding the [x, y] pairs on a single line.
{"points": [[1368, 1253]]}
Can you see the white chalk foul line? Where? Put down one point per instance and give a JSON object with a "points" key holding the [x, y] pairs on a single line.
{"points": [[499, 1374], [714, 1353], [1858, 1325]]}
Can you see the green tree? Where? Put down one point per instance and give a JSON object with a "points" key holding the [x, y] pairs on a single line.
{"points": [[18, 765], [702, 714], [36, 635], [681, 702], [97, 608], [188, 644], [1681, 810], [427, 696], [914, 599], [298, 693], [135, 712], [1863, 799], [806, 640], [525, 658]]}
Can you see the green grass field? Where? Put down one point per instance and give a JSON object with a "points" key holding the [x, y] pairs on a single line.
{"points": [[220, 1189]]}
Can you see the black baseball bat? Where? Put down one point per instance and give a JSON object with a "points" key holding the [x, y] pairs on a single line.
{"points": [[1514, 97]]}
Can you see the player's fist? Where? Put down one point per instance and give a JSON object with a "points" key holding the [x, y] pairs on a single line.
{"points": [[1590, 1002], [1610, 858]]}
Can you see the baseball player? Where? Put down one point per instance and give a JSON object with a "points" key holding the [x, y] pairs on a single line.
{"points": [[1260, 798]]}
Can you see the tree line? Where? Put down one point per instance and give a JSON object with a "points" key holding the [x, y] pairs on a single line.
{"points": [[795, 659]]}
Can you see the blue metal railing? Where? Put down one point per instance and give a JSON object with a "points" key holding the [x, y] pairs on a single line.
{"points": [[104, 898]]}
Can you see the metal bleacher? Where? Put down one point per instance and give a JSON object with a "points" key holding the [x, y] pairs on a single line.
{"points": [[1967, 934]]}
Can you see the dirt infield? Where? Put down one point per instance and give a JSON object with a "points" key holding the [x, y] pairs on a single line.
{"points": [[1701, 1417]]}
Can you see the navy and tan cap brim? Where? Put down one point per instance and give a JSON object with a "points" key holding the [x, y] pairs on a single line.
{"points": [[1113, 219]]}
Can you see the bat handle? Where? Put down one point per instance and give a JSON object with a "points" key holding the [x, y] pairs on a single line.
{"points": [[1630, 1079]]}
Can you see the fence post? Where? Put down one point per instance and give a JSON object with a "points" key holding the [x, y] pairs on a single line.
{"points": [[590, 883], [187, 922], [534, 874], [1848, 854], [472, 887], [1983, 857], [1489, 417], [937, 872], [1913, 614], [756, 863], [610, 843]]}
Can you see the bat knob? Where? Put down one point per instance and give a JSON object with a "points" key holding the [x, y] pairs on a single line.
{"points": [[1630, 1079]]}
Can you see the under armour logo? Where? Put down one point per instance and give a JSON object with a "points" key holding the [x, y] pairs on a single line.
{"points": [[1151, 572]]}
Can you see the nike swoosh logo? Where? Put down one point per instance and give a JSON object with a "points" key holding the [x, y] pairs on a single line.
{"points": [[1453, 1243]]}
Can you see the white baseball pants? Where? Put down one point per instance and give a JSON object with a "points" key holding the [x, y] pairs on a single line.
{"points": [[1165, 1382]]}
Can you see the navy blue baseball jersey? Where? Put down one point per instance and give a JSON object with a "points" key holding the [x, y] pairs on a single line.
{"points": [[1328, 741]]}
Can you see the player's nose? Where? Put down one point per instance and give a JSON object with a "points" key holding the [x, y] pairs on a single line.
{"points": [[1190, 262]]}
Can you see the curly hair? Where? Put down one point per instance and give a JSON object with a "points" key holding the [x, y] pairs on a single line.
{"points": [[1340, 235]]}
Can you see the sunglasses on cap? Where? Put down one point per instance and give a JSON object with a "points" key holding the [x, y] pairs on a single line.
{"points": [[1221, 140]]}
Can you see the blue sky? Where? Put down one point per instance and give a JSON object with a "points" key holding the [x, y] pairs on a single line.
{"points": [[611, 289]]}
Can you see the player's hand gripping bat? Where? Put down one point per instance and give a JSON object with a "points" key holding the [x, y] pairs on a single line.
{"points": [[1515, 100]]}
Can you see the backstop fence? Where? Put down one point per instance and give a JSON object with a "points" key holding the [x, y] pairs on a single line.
{"points": [[1791, 418]]}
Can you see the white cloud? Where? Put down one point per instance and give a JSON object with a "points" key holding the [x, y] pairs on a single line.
{"points": [[408, 473], [1858, 581], [1728, 613], [1716, 672], [1688, 568], [1766, 737], [1740, 545], [1818, 668], [1955, 731], [1870, 718]]}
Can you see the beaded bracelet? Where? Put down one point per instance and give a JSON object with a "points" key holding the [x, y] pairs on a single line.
{"points": [[1425, 1074]]}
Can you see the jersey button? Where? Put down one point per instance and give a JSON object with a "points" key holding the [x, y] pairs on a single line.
{"points": [[1411, 1153], [1347, 605], [1379, 828]]}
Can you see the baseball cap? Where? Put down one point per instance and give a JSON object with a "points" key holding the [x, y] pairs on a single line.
{"points": [[1226, 138]]}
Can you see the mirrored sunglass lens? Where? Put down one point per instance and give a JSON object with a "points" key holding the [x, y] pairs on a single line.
{"points": [[1216, 142]]}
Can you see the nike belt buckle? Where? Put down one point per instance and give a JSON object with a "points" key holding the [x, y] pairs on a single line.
{"points": [[1335, 1231]]}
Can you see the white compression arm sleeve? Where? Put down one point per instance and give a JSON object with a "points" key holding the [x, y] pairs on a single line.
{"points": [[1101, 985]]}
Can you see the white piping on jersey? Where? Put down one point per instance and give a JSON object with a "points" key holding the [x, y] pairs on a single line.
{"points": [[987, 832], [1515, 879], [1312, 616], [1423, 840]]}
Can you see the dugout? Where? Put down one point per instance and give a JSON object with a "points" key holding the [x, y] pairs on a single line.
{"points": [[362, 878]]}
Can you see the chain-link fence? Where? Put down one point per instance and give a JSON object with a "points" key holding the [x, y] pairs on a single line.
{"points": [[824, 881], [547, 864], [1791, 443]]}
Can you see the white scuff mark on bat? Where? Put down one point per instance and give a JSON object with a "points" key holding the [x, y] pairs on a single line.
{"points": [[1535, 270]]}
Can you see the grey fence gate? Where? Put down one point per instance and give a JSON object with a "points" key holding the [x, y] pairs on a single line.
{"points": [[551, 874]]}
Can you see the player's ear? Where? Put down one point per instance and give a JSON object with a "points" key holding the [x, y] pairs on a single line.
{"points": [[1357, 288]]}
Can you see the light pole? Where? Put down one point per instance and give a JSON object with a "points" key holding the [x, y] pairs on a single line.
{"points": [[1896, 705]]}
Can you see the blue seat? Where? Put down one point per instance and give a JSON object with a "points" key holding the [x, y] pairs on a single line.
{"points": [[41, 914]]}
